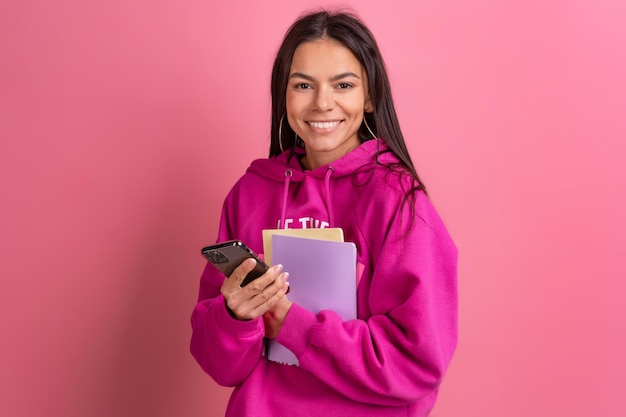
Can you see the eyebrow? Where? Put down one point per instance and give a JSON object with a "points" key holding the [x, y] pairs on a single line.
{"points": [[334, 78]]}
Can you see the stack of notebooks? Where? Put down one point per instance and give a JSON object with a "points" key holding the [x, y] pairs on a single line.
{"points": [[322, 274]]}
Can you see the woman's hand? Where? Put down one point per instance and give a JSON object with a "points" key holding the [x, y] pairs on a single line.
{"points": [[274, 317], [260, 295]]}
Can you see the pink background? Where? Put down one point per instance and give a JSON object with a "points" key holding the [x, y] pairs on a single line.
{"points": [[124, 123]]}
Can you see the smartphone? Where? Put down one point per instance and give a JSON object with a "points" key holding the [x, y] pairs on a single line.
{"points": [[227, 256]]}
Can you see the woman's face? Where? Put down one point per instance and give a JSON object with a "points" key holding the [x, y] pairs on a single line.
{"points": [[326, 98]]}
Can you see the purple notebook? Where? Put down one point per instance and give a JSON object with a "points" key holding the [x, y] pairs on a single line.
{"points": [[322, 276]]}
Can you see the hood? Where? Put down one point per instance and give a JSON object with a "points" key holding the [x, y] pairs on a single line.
{"points": [[361, 159], [286, 169]]}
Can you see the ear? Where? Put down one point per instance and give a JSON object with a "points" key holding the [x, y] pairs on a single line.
{"points": [[369, 107]]}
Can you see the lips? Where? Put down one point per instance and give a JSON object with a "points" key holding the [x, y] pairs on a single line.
{"points": [[324, 125]]}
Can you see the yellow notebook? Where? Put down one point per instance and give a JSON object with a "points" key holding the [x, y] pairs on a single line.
{"points": [[334, 234]]}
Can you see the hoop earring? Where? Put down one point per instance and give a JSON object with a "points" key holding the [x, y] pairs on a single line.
{"points": [[368, 128], [280, 134]]}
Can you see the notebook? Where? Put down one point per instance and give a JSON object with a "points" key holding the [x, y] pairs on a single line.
{"points": [[322, 276], [332, 233]]}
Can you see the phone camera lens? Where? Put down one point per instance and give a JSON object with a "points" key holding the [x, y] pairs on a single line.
{"points": [[217, 257]]}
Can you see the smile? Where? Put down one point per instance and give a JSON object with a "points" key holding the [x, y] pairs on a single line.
{"points": [[324, 125]]}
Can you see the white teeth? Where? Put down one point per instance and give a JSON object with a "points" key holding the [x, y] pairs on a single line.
{"points": [[323, 125]]}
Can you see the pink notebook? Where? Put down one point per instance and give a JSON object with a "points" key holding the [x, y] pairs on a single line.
{"points": [[322, 276]]}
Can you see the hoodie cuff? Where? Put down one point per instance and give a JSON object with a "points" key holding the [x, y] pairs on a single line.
{"points": [[294, 333], [240, 328]]}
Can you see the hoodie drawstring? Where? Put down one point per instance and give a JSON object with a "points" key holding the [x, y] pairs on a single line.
{"points": [[327, 196], [329, 206], [288, 175]]}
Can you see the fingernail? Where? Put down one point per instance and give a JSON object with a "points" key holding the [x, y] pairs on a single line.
{"points": [[285, 276], [278, 268]]}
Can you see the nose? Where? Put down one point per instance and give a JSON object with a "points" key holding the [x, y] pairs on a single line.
{"points": [[324, 98]]}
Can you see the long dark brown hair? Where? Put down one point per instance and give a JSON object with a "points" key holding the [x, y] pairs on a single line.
{"points": [[348, 30]]}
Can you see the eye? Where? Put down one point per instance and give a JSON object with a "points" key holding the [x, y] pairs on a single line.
{"points": [[302, 86], [344, 86]]}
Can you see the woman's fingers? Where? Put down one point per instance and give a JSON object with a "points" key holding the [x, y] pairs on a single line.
{"points": [[264, 300], [258, 296], [240, 273], [271, 294]]}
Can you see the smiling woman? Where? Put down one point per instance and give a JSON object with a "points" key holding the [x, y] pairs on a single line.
{"points": [[328, 166], [326, 100], [116, 117]]}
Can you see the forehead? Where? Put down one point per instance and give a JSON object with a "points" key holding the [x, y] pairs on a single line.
{"points": [[324, 56]]}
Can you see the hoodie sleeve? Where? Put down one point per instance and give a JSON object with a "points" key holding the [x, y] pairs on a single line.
{"points": [[401, 345], [226, 348]]}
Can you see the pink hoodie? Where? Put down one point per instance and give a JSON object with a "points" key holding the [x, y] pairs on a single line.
{"points": [[388, 362]]}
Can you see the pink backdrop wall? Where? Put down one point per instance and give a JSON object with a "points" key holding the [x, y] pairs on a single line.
{"points": [[124, 123]]}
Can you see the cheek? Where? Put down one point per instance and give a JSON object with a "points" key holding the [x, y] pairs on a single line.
{"points": [[291, 108], [356, 108], [295, 104], [353, 104], [289, 103]]}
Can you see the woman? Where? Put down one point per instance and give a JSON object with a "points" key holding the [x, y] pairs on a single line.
{"points": [[337, 159]]}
